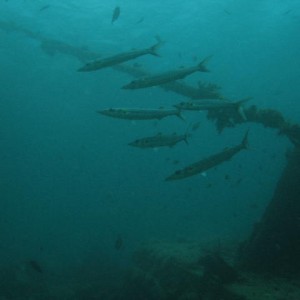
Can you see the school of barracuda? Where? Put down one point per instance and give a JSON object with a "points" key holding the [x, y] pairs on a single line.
{"points": [[169, 81]]}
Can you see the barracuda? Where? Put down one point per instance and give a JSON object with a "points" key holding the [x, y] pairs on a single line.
{"points": [[166, 77], [159, 140], [213, 104], [209, 162], [119, 58], [140, 114]]}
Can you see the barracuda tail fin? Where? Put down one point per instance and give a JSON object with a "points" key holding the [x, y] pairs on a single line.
{"points": [[186, 139], [242, 101], [187, 134], [154, 48], [179, 115], [244, 143], [202, 65], [240, 107]]}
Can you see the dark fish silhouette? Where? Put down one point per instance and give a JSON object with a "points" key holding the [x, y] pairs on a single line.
{"points": [[214, 104], [36, 266], [163, 78], [120, 58], [160, 140], [119, 243], [140, 20], [116, 14], [140, 113], [209, 162], [44, 7]]}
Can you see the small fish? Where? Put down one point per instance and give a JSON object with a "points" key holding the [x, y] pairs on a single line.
{"points": [[196, 125], [140, 114], [140, 20], [226, 177], [120, 58], [227, 11], [166, 77], [35, 266], [119, 243], [287, 12], [159, 140], [116, 14], [238, 182], [44, 7], [209, 162]]}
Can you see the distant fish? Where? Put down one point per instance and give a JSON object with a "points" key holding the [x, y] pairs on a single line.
{"points": [[44, 7], [35, 266], [159, 140], [287, 12], [120, 58], [119, 243], [226, 177], [227, 11], [116, 14], [139, 113], [196, 125], [209, 162], [203, 91], [166, 77], [140, 20]]}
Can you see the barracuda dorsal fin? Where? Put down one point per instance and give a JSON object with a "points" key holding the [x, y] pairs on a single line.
{"points": [[185, 138], [240, 108], [178, 114], [202, 65], [242, 101], [245, 143]]}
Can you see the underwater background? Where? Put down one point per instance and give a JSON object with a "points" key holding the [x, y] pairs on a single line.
{"points": [[71, 188]]}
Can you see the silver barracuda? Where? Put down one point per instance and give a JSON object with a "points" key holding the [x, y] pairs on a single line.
{"points": [[166, 77], [139, 113], [202, 91], [209, 162], [160, 140], [213, 104], [119, 58]]}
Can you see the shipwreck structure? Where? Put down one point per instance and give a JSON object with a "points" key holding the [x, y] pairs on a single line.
{"points": [[274, 245]]}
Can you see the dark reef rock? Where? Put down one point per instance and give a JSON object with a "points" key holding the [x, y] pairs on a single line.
{"points": [[171, 271], [216, 267]]}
